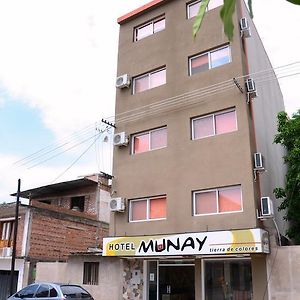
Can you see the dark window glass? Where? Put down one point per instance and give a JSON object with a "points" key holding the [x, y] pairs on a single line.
{"points": [[90, 273], [28, 292], [230, 279], [77, 203], [73, 291], [53, 292], [42, 292]]}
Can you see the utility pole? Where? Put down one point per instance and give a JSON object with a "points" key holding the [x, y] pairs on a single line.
{"points": [[13, 257]]}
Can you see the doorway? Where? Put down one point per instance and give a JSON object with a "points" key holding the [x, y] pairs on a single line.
{"points": [[175, 280]]}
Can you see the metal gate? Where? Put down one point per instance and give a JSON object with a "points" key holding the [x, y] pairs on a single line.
{"points": [[5, 283]]}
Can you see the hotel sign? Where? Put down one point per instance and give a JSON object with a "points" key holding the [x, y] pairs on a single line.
{"points": [[200, 243]]}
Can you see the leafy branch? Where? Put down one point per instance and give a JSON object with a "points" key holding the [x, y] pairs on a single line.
{"points": [[226, 14]]}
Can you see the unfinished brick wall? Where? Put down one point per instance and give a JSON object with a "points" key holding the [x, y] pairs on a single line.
{"points": [[54, 236]]}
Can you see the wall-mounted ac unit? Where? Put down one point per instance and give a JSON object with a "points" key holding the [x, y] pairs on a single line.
{"points": [[266, 207], [117, 204], [250, 87], [245, 29], [121, 139], [123, 81], [258, 161]]}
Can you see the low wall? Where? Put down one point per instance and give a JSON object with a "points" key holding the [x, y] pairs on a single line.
{"points": [[284, 273]]}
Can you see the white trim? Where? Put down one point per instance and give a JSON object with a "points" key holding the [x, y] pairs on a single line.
{"points": [[147, 208], [151, 22], [149, 133], [148, 75], [8, 219], [217, 190], [209, 58], [195, 2], [213, 115]]}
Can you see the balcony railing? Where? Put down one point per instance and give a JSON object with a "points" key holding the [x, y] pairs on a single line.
{"points": [[5, 248]]}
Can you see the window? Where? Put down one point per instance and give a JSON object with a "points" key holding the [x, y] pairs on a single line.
{"points": [[209, 60], [27, 292], [228, 279], [149, 81], [150, 140], [6, 230], [214, 124], [90, 273], [148, 209], [216, 201], [149, 28], [42, 292], [77, 203], [74, 291], [193, 7]]}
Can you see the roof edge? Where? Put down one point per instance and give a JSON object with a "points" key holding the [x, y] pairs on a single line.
{"points": [[139, 10]]}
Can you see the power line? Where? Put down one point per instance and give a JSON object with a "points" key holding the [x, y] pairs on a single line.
{"points": [[78, 158]]}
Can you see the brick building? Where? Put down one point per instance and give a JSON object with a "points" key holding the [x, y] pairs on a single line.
{"points": [[62, 218]]}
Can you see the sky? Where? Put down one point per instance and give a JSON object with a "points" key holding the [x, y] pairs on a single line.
{"points": [[58, 63]]}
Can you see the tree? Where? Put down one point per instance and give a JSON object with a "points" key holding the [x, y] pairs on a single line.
{"points": [[226, 14], [289, 136]]}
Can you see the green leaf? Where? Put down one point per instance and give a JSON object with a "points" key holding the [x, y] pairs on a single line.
{"points": [[199, 17], [250, 8], [226, 14], [297, 2]]}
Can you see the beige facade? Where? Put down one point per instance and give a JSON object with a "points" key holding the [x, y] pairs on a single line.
{"points": [[186, 165]]}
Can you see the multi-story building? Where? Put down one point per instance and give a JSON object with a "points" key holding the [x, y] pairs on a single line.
{"points": [[188, 221], [61, 219]]}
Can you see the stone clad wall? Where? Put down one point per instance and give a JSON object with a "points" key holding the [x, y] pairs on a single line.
{"points": [[133, 279]]}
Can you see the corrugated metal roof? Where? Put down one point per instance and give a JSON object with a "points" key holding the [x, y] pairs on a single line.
{"points": [[56, 188]]}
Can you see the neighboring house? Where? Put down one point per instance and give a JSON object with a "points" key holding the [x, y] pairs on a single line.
{"points": [[60, 219], [192, 227]]}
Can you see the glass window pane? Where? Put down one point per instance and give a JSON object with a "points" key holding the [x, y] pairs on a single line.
{"points": [[138, 210], [159, 25], [158, 208], [220, 57], [144, 31], [226, 122], [141, 84], [203, 127], [158, 138], [205, 203], [141, 143], [228, 280], [158, 78], [230, 199], [193, 9], [199, 64], [214, 3], [42, 291]]}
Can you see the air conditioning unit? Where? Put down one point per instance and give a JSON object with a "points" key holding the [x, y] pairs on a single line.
{"points": [[245, 29], [258, 161], [117, 204], [123, 81], [121, 139], [250, 87], [266, 207]]}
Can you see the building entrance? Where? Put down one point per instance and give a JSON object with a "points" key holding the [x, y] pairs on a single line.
{"points": [[171, 280], [176, 282]]}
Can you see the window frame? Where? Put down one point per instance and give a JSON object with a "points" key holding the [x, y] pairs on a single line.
{"points": [[216, 190], [88, 267], [189, 4], [214, 122], [151, 22], [148, 199], [149, 139], [148, 74], [209, 58]]}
